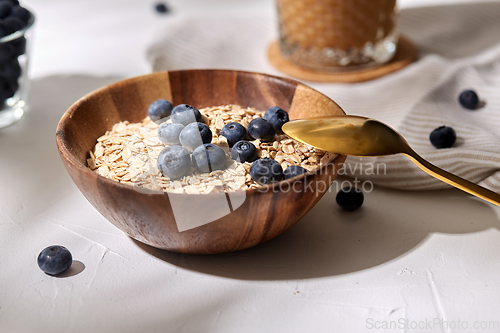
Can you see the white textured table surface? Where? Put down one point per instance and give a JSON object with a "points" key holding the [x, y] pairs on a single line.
{"points": [[407, 259]]}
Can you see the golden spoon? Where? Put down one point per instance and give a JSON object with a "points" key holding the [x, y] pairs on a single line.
{"points": [[360, 136]]}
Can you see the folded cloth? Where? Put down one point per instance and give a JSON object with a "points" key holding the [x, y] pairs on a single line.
{"points": [[459, 48]]}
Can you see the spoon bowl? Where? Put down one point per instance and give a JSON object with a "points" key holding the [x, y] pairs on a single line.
{"points": [[347, 135]]}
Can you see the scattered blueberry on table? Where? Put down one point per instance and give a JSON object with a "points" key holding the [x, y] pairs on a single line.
{"points": [[350, 198], [278, 117], [162, 8], [261, 129], [244, 151], [266, 171], [174, 162], [209, 157], [55, 259], [469, 99], [194, 135], [443, 137], [168, 133], [159, 110], [185, 114], [294, 171], [233, 132]]}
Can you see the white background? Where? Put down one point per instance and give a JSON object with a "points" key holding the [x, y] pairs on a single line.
{"points": [[411, 256]]}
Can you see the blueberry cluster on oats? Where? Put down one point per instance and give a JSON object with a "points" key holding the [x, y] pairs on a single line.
{"points": [[129, 152]]}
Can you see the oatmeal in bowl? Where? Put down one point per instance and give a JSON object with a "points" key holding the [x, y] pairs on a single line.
{"points": [[129, 152]]}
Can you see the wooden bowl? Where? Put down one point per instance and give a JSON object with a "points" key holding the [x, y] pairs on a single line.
{"points": [[265, 213]]}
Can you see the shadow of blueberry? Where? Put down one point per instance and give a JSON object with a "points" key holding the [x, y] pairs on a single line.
{"points": [[481, 105], [76, 268], [458, 142]]}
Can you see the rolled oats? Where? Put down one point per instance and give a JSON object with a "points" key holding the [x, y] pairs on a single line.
{"points": [[128, 154]]}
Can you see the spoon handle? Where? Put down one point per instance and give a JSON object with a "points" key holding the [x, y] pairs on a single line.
{"points": [[453, 180]]}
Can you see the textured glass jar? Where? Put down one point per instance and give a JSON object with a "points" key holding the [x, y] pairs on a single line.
{"points": [[337, 34], [14, 84]]}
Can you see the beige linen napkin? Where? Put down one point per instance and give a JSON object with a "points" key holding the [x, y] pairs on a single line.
{"points": [[459, 48]]}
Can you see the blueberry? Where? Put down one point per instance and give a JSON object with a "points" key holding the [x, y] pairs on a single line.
{"points": [[261, 129], [209, 157], [159, 110], [10, 70], [13, 24], [5, 9], [443, 137], [174, 162], [293, 171], [168, 133], [233, 132], [468, 99], [4, 31], [55, 259], [350, 198], [185, 114], [7, 51], [7, 88], [277, 117], [266, 171], [19, 45], [162, 8], [194, 135], [14, 85], [22, 13], [244, 151]]}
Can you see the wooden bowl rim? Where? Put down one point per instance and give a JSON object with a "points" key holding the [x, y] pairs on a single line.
{"points": [[70, 158]]}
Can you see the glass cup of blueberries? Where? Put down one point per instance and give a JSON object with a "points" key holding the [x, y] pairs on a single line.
{"points": [[16, 24]]}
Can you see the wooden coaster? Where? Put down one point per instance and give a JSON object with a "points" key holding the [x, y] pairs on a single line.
{"points": [[405, 55]]}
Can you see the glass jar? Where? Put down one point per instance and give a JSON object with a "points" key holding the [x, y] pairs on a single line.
{"points": [[14, 84], [336, 35]]}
